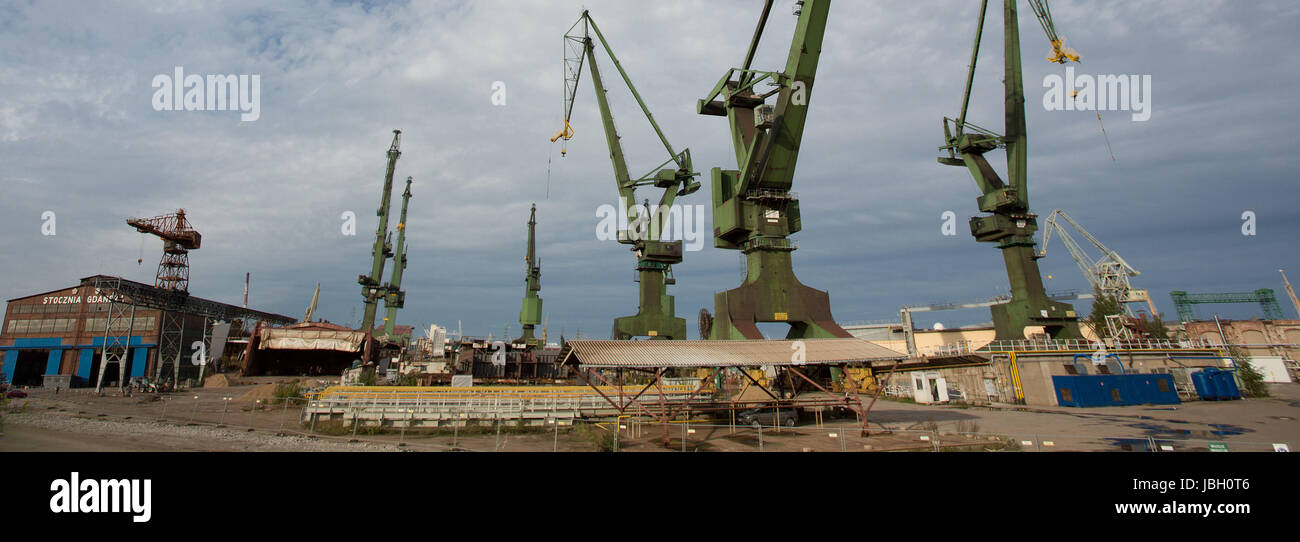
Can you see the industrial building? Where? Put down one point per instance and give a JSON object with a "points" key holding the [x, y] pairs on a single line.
{"points": [[60, 335]]}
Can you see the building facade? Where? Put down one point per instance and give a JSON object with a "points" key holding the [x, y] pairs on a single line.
{"points": [[63, 332]]}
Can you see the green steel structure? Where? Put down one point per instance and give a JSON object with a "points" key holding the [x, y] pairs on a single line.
{"points": [[371, 290], [656, 316], [394, 297], [754, 210], [1266, 298], [1011, 224], [530, 311]]}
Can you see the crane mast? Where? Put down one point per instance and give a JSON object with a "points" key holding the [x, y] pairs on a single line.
{"points": [[371, 290], [754, 210], [530, 310], [394, 297], [1010, 223], [179, 238], [656, 316]]}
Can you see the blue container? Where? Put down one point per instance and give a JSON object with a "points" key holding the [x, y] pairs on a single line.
{"points": [[1115, 390], [1226, 383], [1156, 389], [1205, 384]]}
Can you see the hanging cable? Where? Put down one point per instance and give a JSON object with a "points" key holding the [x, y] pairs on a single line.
{"points": [[1106, 137]]}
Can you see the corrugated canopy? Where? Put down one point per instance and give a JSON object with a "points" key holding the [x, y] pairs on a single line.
{"points": [[311, 339], [721, 353]]}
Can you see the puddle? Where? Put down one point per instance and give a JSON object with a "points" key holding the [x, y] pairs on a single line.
{"points": [[1226, 430]]}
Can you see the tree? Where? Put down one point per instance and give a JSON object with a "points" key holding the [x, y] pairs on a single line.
{"points": [[1252, 381], [1103, 305], [1154, 328]]}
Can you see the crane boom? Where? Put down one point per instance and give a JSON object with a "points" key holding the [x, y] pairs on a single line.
{"points": [[179, 237], [1108, 274], [394, 297], [1010, 223], [655, 257], [1290, 292], [371, 290], [530, 308], [754, 210]]}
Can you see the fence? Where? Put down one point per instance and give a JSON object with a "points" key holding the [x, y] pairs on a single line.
{"points": [[401, 430]]}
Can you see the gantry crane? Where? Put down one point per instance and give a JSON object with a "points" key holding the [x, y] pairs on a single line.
{"points": [[179, 238], [394, 297], [1108, 274], [754, 210], [371, 290], [656, 317], [1010, 223], [530, 310]]}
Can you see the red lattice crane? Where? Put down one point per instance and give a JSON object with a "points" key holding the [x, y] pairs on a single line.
{"points": [[179, 238]]}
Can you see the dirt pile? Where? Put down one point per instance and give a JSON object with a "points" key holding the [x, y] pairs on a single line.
{"points": [[265, 392], [219, 381]]}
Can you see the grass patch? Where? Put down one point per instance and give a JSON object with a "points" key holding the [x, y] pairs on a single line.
{"points": [[287, 391], [602, 439]]}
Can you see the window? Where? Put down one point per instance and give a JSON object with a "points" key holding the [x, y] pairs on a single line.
{"points": [[1163, 385], [1069, 369], [1103, 369]]}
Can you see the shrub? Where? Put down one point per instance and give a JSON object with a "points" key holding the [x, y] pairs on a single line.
{"points": [[286, 391]]}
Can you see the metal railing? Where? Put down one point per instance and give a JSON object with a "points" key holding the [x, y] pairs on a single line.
{"points": [[1024, 345], [400, 427]]}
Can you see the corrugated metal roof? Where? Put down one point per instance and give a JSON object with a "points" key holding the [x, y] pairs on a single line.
{"points": [[720, 353]]}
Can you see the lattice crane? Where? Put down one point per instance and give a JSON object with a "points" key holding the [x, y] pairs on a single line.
{"points": [[1108, 274], [655, 257], [1010, 223], [754, 209], [179, 238]]}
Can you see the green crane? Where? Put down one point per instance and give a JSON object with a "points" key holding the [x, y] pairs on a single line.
{"points": [[394, 297], [1010, 223], [530, 311], [754, 210], [655, 258], [371, 290]]}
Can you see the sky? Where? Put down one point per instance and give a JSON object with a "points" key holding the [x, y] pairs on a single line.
{"points": [[477, 90]]}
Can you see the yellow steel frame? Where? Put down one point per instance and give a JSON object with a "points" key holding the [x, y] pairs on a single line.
{"points": [[504, 392]]}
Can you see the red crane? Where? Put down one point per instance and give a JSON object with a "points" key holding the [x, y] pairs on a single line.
{"points": [[179, 238]]}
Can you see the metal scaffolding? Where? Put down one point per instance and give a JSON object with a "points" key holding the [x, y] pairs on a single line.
{"points": [[125, 295]]}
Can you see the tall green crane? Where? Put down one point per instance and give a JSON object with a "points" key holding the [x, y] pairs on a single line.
{"points": [[530, 310], [1010, 223], [754, 210], [371, 290], [656, 316], [394, 297]]}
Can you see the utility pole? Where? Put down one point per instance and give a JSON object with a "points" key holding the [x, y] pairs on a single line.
{"points": [[371, 290]]}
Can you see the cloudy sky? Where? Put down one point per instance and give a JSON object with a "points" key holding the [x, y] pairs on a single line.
{"points": [[80, 137]]}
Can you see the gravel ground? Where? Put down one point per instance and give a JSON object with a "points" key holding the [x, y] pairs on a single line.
{"points": [[165, 436]]}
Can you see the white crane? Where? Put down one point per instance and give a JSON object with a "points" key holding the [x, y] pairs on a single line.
{"points": [[1108, 274]]}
